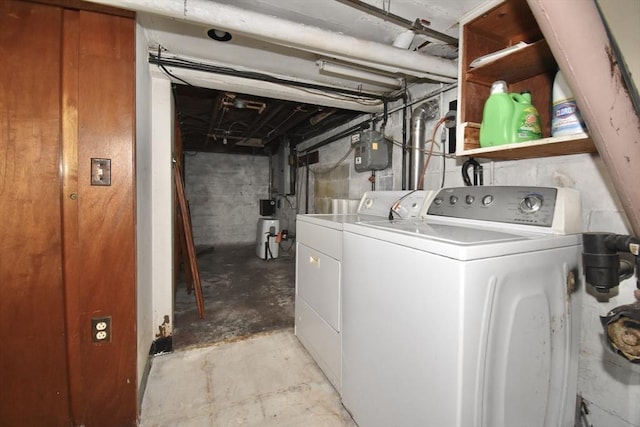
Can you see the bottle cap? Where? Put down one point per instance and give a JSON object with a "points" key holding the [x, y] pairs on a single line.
{"points": [[499, 86]]}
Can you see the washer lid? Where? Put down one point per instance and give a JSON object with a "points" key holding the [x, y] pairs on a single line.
{"points": [[456, 234], [460, 241]]}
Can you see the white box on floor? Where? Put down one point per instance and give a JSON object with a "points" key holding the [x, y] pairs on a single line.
{"points": [[266, 246]]}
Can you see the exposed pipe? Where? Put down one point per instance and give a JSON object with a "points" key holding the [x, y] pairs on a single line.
{"points": [[270, 175], [258, 124], [363, 123], [419, 118], [306, 191], [295, 35], [360, 126], [358, 74], [597, 83], [404, 141], [416, 26], [283, 127], [215, 113]]}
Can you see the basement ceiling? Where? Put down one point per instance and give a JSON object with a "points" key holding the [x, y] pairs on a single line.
{"points": [[234, 123], [247, 76]]}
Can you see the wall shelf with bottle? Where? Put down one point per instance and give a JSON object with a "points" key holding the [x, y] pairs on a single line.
{"points": [[524, 61]]}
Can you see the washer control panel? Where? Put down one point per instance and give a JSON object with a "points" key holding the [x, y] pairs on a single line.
{"points": [[403, 204], [507, 204]]}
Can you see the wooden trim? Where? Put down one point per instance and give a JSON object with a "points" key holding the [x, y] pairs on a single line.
{"points": [[69, 205]]}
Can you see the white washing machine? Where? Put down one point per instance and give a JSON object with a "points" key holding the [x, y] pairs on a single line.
{"points": [[467, 318], [319, 257]]}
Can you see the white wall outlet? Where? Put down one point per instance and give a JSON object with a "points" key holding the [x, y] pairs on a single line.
{"points": [[101, 329]]}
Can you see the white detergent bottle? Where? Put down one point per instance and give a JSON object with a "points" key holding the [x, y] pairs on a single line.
{"points": [[565, 116]]}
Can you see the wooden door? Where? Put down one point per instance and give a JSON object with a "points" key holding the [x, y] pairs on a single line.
{"points": [[67, 247], [33, 359]]}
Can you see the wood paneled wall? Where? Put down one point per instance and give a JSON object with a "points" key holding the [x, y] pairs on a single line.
{"points": [[33, 365]]}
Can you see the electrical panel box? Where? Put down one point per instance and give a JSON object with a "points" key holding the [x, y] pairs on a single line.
{"points": [[267, 207], [372, 151]]}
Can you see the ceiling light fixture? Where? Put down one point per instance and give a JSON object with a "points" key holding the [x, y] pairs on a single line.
{"points": [[219, 35], [356, 73]]}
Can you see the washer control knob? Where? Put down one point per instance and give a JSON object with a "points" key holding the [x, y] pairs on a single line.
{"points": [[487, 200], [469, 199], [438, 201], [531, 203], [453, 200]]}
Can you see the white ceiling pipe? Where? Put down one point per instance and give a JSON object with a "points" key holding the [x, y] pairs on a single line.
{"points": [[295, 35], [404, 40], [355, 73]]}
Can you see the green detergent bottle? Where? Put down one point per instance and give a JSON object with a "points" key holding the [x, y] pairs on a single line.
{"points": [[526, 120], [497, 116]]}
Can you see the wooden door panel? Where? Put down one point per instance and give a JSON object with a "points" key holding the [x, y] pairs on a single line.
{"points": [[67, 249], [105, 220], [33, 365]]}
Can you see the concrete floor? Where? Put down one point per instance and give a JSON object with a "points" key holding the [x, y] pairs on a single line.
{"points": [[243, 295], [242, 365], [266, 380]]}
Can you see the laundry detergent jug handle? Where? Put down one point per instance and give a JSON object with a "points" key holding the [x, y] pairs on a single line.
{"points": [[520, 98]]}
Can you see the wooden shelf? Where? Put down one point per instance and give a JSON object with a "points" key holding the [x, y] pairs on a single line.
{"points": [[521, 64], [545, 147], [491, 27]]}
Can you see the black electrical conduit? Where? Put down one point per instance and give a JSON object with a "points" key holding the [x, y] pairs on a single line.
{"points": [[364, 124], [358, 126], [190, 65], [341, 134]]}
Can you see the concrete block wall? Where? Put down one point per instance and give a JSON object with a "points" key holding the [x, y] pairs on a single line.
{"points": [[224, 193]]}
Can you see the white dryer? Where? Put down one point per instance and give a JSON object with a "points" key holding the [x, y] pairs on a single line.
{"points": [[319, 272], [467, 318]]}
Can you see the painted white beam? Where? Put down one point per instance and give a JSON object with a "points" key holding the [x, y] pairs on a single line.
{"points": [[295, 35], [271, 90], [578, 39]]}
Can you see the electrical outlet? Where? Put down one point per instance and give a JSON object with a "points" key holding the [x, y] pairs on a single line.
{"points": [[101, 329]]}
